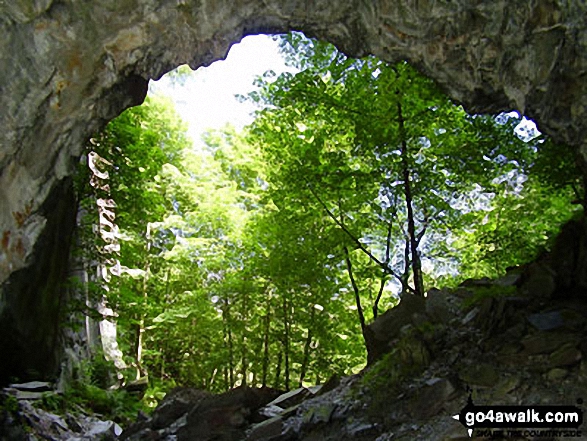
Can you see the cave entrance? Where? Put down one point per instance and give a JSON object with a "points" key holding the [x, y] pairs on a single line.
{"points": [[85, 63], [235, 282]]}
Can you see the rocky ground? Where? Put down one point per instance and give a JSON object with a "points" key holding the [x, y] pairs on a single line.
{"points": [[492, 340]]}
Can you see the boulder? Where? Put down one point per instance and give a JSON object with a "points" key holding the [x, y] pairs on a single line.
{"points": [[546, 342], [268, 429], [567, 355], [291, 398], [176, 403], [438, 307], [386, 328], [224, 417], [430, 399]]}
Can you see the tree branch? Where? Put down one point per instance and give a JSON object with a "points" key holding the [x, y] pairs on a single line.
{"points": [[349, 266], [383, 265], [383, 278]]}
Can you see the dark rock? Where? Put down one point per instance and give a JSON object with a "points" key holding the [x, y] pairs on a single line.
{"points": [[568, 259], [176, 403], [319, 414], [431, 399], [25, 395], [330, 384], [567, 355], [512, 278], [31, 304], [438, 307], [100, 431], [557, 374], [290, 411], [226, 416], [481, 375], [137, 386], [138, 431], [546, 321], [505, 386], [546, 342], [387, 326], [270, 411], [470, 316], [362, 429], [144, 434], [538, 281], [484, 281]]}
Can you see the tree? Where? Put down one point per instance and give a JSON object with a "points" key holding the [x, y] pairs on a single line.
{"points": [[261, 258], [392, 163]]}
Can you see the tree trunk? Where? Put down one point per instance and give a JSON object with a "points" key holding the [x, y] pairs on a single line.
{"points": [[416, 263], [228, 342], [307, 344], [225, 377], [266, 345], [286, 340], [244, 317], [277, 371], [384, 273], [349, 267]]}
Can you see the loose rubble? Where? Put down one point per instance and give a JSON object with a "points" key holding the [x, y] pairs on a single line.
{"points": [[20, 420]]}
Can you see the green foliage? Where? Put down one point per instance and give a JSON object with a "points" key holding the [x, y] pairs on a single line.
{"points": [[98, 371], [260, 257], [8, 403], [333, 135], [91, 392], [115, 405]]}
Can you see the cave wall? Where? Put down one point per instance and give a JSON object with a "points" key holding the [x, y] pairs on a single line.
{"points": [[69, 66]]}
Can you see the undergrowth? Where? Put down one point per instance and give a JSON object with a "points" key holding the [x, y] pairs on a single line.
{"points": [[90, 393]]}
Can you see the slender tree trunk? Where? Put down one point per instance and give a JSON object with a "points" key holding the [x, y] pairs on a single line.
{"points": [[266, 345], [405, 277], [278, 370], [307, 344], [416, 263], [349, 267], [225, 377], [228, 342], [286, 339], [212, 378], [244, 361], [384, 273], [230, 359]]}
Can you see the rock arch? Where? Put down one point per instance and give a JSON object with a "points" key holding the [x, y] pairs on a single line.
{"points": [[68, 66]]}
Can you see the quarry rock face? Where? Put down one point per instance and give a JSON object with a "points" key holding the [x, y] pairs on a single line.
{"points": [[68, 67]]}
